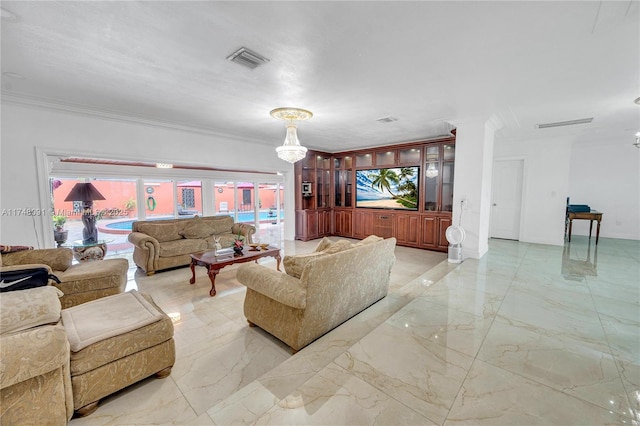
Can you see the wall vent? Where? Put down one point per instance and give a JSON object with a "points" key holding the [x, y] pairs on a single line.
{"points": [[248, 58], [565, 123], [387, 119]]}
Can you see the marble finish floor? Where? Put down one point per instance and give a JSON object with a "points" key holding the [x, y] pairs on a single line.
{"points": [[529, 334]]}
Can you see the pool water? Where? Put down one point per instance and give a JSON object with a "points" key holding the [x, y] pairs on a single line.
{"points": [[125, 225]]}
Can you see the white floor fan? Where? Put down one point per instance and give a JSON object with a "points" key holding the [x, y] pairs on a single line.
{"points": [[455, 235]]}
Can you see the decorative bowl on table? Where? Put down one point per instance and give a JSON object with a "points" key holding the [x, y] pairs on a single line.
{"points": [[264, 246], [254, 246]]}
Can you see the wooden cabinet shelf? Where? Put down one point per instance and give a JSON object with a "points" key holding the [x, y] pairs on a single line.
{"points": [[330, 207], [313, 196], [343, 222]]}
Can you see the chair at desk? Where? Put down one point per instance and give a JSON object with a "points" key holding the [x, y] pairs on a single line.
{"points": [[584, 212]]}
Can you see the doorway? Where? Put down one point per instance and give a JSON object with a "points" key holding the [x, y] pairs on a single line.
{"points": [[506, 199]]}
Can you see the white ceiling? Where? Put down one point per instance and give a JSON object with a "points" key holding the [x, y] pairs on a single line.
{"points": [[428, 64]]}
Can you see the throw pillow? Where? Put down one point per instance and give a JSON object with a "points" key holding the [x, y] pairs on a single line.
{"points": [[338, 246], [29, 308], [161, 231], [59, 259], [324, 244], [220, 224], [370, 239], [293, 265], [196, 228], [13, 249]]}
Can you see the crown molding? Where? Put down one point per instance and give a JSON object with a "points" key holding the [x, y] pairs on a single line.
{"points": [[53, 105]]}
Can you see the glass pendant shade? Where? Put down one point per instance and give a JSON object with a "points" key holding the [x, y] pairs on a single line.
{"points": [[291, 151], [431, 171]]}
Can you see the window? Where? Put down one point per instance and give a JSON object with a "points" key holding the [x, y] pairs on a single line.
{"points": [[188, 197], [246, 197]]}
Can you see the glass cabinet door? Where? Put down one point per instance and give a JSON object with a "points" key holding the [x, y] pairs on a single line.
{"points": [[326, 182], [364, 160], [342, 180], [387, 158], [448, 152], [347, 189], [447, 187], [319, 188], [409, 156], [337, 184], [448, 158], [432, 178], [348, 162]]}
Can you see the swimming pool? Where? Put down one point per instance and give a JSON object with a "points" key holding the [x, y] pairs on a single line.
{"points": [[125, 225]]}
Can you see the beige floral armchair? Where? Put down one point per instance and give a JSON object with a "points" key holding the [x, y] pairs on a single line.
{"points": [[81, 282]]}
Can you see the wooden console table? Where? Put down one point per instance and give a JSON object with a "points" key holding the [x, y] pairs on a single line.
{"points": [[590, 216]]}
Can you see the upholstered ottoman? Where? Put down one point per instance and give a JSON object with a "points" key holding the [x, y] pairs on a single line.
{"points": [[116, 341]]}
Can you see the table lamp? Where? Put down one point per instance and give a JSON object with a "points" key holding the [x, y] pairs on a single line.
{"points": [[87, 193]]}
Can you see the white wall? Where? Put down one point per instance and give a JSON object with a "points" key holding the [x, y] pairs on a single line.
{"points": [[474, 156], [606, 176], [546, 185], [25, 128]]}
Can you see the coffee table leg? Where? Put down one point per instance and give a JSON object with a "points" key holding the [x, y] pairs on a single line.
{"points": [[278, 262], [193, 272], [212, 276]]}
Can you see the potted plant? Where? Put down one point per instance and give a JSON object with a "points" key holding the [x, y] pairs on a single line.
{"points": [[130, 205], [238, 244], [60, 234]]}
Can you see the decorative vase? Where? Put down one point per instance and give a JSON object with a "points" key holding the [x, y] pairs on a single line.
{"points": [[60, 237], [237, 250]]}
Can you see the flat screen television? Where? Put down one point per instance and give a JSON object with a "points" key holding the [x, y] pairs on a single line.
{"points": [[394, 188]]}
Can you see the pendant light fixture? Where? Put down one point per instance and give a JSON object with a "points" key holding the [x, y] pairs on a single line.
{"points": [[431, 171], [291, 151]]}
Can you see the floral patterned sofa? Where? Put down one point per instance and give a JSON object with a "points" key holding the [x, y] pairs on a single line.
{"points": [[319, 291], [164, 244]]}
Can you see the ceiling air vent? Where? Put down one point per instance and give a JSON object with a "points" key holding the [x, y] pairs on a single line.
{"points": [[248, 58], [387, 119], [565, 123]]}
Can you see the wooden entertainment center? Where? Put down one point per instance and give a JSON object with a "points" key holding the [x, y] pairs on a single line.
{"points": [[326, 202]]}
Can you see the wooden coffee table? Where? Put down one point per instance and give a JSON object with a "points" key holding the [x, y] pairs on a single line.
{"points": [[214, 264]]}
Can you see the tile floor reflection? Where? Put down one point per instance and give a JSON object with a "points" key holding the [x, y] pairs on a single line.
{"points": [[529, 334]]}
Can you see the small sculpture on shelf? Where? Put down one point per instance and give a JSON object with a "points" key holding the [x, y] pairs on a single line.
{"points": [[217, 246]]}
